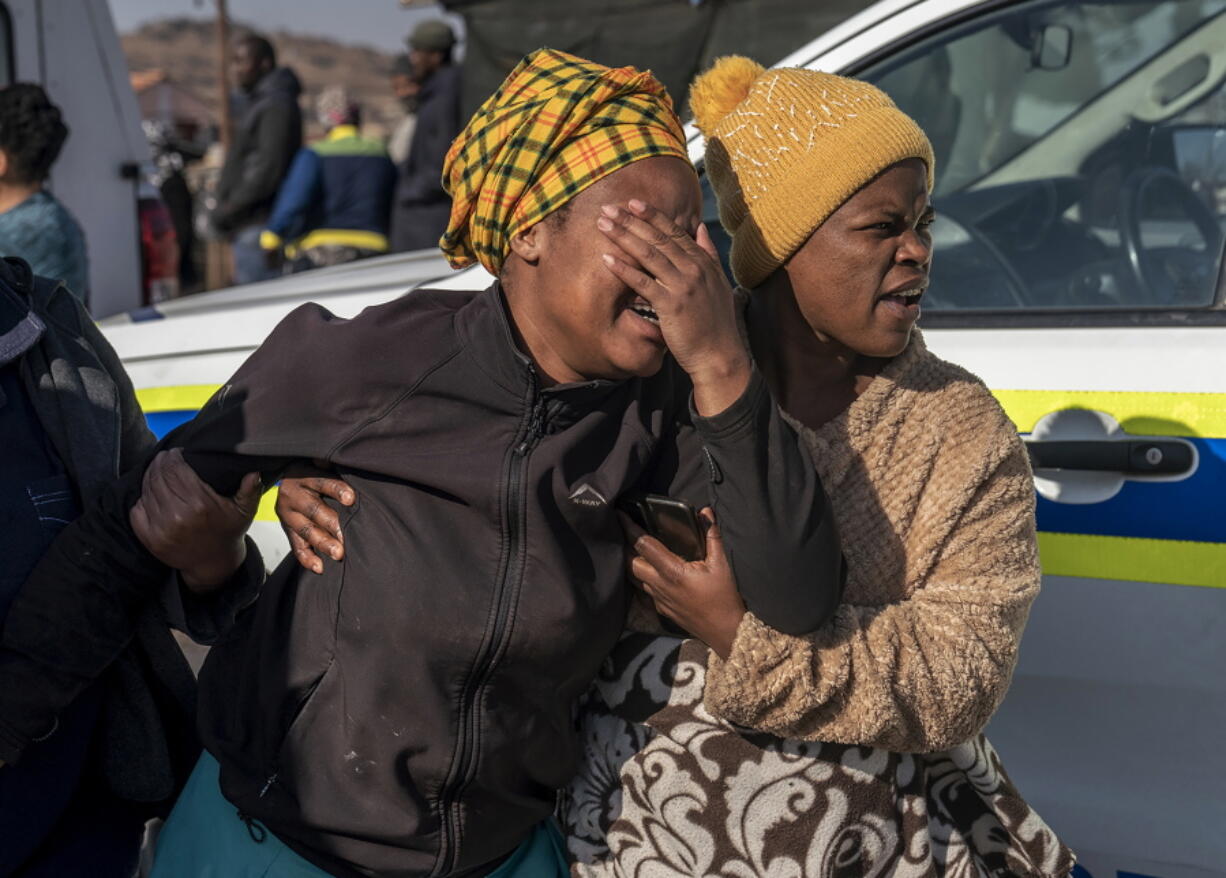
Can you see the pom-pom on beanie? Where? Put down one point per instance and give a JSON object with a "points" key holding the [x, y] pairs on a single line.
{"points": [[786, 148]]}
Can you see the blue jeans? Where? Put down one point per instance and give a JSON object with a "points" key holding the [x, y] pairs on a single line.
{"points": [[250, 259], [204, 838]]}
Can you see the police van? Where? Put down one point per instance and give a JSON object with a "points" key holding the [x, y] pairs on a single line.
{"points": [[1081, 199]]}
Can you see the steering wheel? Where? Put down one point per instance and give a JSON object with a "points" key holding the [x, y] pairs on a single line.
{"points": [[1158, 270]]}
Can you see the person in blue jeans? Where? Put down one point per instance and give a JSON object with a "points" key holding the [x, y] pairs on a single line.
{"points": [[34, 225]]}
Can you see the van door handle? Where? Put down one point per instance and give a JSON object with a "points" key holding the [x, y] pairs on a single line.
{"points": [[1153, 457]]}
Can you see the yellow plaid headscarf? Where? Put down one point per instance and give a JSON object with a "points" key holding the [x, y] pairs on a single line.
{"points": [[555, 126]]}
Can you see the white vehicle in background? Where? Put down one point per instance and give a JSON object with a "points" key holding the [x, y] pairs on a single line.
{"points": [[71, 49], [1081, 191]]}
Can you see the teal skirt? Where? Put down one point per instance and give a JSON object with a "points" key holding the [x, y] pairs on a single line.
{"points": [[204, 838]]}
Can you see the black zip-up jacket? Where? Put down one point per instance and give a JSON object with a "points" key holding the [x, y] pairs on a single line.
{"points": [[409, 712]]}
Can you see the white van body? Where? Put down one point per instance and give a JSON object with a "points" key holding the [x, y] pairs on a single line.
{"points": [[1115, 723], [71, 49]]}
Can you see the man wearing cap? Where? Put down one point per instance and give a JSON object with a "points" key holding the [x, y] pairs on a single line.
{"points": [[421, 208]]}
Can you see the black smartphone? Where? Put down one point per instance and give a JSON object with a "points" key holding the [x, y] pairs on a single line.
{"points": [[675, 523]]}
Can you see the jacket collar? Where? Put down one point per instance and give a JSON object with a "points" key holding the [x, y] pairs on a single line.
{"points": [[484, 328], [20, 327]]}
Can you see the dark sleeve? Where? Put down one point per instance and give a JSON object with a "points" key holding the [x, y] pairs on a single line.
{"points": [[755, 471], [206, 618], [301, 189], [200, 617], [277, 138], [80, 606]]}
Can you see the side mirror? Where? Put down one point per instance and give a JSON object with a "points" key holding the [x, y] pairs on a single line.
{"points": [[1052, 47]]}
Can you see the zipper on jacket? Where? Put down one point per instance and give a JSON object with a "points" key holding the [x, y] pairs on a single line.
{"points": [[506, 590], [272, 779]]}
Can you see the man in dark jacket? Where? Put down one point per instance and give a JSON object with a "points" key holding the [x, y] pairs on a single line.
{"points": [[421, 208], [267, 135], [77, 800]]}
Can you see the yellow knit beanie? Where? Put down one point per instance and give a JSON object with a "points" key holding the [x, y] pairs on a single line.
{"points": [[786, 148]]}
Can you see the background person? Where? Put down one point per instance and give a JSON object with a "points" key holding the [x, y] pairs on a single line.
{"points": [[405, 88], [333, 206], [857, 748], [33, 224], [421, 207], [267, 135]]}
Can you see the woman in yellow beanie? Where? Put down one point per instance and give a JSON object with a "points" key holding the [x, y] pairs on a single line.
{"points": [[857, 748], [410, 711]]}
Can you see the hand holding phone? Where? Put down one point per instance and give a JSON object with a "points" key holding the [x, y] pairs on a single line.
{"points": [[687, 576], [673, 522]]}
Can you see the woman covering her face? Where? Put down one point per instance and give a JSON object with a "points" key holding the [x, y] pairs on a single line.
{"points": [[856, 749], [410, 710]]}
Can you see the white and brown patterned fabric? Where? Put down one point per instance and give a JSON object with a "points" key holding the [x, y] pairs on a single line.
{"points": [[668, 790]]}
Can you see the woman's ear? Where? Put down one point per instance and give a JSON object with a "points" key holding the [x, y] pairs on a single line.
{"points": [[4, 164], [529, 244]]}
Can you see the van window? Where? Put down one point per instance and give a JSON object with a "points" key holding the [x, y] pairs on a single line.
{"points": [[1081, 154]]}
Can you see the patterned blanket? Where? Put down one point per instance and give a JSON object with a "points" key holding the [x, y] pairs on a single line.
{"points": [[666, 789]]}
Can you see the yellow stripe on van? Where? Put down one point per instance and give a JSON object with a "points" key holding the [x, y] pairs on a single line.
{"points": [[1173, 562], [1141, 413], [1101, 557], [183, 398]]}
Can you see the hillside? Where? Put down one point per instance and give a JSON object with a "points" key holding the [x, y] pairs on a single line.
{"points": [[186, 50]]}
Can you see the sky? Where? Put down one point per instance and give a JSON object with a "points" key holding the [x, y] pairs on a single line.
{"points": [[381, 23]]}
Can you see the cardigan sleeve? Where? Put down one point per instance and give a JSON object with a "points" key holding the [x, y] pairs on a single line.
{"points": [[919, 675]]}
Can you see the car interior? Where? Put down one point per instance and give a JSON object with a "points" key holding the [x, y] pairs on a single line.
{"points": [[1081, 153]]}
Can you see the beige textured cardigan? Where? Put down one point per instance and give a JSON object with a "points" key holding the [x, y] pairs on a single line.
{"points": [[932, 493]]}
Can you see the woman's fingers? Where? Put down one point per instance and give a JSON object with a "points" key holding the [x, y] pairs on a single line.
{"points": [[304, 531], [656, 251], [303, 552], [304, 497], [633, 277], [138, 517], [678, 239], [153, 495], [337, 489], [715, 541], [704, 242], [250, 490], [651, 582], [666, 564], [314, 528]]}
